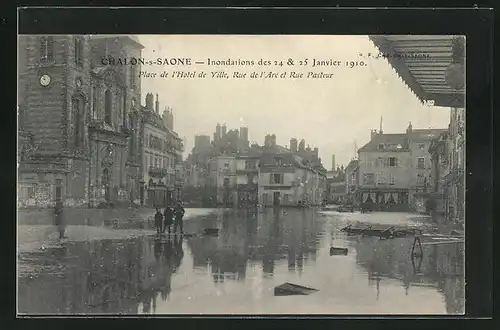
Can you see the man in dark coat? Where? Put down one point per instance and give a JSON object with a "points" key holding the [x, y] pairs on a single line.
{"points": [[179, 214], [168, 218], [158, 221]]}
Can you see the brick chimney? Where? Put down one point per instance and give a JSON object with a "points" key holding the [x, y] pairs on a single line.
{"points": [[157, 105]]}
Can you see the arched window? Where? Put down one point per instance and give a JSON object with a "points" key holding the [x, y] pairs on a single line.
{"points": [[78, 115], [108, 106], [95, 109], [132, 136], [46, 49]]}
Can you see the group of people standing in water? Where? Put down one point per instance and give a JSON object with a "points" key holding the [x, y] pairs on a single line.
{"points": [[171, 216]]}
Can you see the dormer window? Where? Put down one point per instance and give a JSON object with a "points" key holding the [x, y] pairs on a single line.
{"points": [[381, 146]]}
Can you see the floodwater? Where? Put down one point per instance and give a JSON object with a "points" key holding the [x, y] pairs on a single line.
{"points": [[236, 272]]}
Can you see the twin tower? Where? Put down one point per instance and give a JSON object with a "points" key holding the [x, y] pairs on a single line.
{"points": [[221, 132]]}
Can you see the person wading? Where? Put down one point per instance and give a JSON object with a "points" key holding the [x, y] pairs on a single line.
{"points": [[158, 221], [179, 214], [169, 218]]}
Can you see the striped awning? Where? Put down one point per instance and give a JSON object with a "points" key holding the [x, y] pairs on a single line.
{"points": [[422, 63]]}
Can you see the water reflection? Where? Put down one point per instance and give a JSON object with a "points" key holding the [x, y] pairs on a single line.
{"points": [[253, 252], [111, 277], [256, 239], [441, 267]]}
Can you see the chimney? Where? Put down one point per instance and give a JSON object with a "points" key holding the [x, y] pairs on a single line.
{"points": [[302, 145], [409, 129], [224, 130], [157, 105], [293, 145], [149, 101], [273, 140], [267, 140], [373, 134], [217, 134], [333, 162]]}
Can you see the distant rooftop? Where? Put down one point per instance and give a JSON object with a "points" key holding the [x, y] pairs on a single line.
{"points": [[400, 142]]}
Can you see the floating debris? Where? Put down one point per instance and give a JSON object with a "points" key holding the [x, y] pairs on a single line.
{"points": [[211, 231], [289, 289], [335, 251]]}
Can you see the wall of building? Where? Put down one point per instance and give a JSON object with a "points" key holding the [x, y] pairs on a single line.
{"points": [[399, 176]]}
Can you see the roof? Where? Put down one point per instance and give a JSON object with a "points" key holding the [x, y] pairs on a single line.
{"points": [[421, 62], [387, 139], [352, 164], [426, 134]]}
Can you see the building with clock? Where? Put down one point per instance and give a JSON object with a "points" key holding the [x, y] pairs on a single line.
{"points": [[78, 120]]}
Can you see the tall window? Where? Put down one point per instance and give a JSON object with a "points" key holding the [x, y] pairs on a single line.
{"points": [[421, 163], [79, 52], [95, 110], [124, 100], [250, 164], [392, 179], [132, 137], [393, 162], [78, 115], [276, 178], [108, 105], [132, 76], [119, 107], [47, 49]]}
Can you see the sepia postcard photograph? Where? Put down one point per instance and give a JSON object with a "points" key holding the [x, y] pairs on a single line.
{"points": [[177, 174]]}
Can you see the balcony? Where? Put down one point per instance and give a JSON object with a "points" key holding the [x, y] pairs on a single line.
{"points": [[157, 172]]}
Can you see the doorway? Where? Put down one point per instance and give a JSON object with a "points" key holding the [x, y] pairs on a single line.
{"points": [[276, 198]]}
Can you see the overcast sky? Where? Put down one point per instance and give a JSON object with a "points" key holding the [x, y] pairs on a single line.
{"points": [[330, 114]]}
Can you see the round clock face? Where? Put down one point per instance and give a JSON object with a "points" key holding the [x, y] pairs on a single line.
{"points": [[45, 80]]}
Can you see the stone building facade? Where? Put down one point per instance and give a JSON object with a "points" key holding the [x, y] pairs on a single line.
{"points": [[394, 169], [286, 179], [81, 116], [161, 152]]}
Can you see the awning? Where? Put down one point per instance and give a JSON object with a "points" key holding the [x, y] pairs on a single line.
{"points": [[423, 62]]}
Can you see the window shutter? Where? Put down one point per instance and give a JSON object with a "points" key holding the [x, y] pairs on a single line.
{"points": [[80, 52]]}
